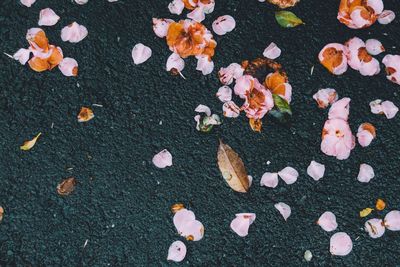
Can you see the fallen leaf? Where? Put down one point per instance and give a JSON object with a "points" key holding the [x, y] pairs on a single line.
{"points": [[287, 19], [66, 186], [365, 212], [1, 213], [232, 168], [380, 204], [281, 111], [29, 144], [86, 114], [177, 207]]}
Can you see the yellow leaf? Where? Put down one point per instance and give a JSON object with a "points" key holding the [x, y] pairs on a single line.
{"points": [[380, 204], [232, 168], [365, 212], [29, 144]]}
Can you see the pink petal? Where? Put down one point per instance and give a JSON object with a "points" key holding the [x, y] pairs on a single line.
{"points": [[22, 55], [230, 109], [337, 139], [176, 7], [358, 20], [48, 17], [340, 109], [194, 229], [74, 33], [324, 97], [160, 26], [364, 136], [370, 68], [243, 84], [376, 5], [177, 251], [269, 179], [272, 51], [223, 25], [140, 53], [316, 170], [342, 68], [389, 109], [374, 47], [174, 61], [182, 217], [392, 64], [366, 173], [224, 94], [203, 109], [392, 220], [386, 17], [327, 221], [352, 48], [374, 227], [376, 106], [197, 14], [283, 209], [289, 175], [340, 244], [81, 2], [228, 74], [240, 225], [68, 66], [28, 3], [205, 65], [163, 159]]}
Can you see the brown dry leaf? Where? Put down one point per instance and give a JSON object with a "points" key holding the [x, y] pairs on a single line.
{"points": [[66, 186], [284, 3], [176, 207], [232, 168], [380, 204], [86, 114], [365, 212], [1, 213], [29, 144]]}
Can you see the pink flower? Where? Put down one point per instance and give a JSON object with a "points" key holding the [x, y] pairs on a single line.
{"points": [[177, 251], [325, 97], [374, 227], [269, 180], [48, 17], [365, 134], [340, 244], [68, 66], [340, 109], [228, 74], [240, 225], [366, 173], [288, 175], [337, 139], [140, 53], [223, 25], [258, 101], [386, 17], [327, 221], [283, 209], [316, 170], [272, 51], [392, 220], [392, 64], [163, 159], [74, 33]]}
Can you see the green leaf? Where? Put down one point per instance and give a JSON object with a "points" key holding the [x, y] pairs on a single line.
{"points": [[287, 19], [281, 111]]}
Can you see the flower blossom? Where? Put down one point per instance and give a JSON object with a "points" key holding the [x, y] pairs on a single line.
{"points": [[357, 14]]}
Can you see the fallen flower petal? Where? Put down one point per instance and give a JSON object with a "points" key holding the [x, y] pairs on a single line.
{"points": [[272, 51], [205, 65], [202, 108], [176, 7], [160, 26], [386, 17], [192, 230], [325, 97], [140, 53], [282, 3], [365, 212], [181, 217], [69, 67], [228, 74], [380, 204], [163, 159], [230, 109], [48, 17], [67, 186], [22, 55], [365, 134], [366, 173], [316, 170], [28, 3], [37, 39], [332, 57], [269, 179], [27, 145], [175, 63], [374, 227], [283, 209], [81, 2], [389, 109], [370, 68], [240, 225], [223, 25], [177, 251], [327, 221], [74, 33], [392, 67], [392, 220], [340, 109], [340, 244], [337, 139], [224, 94], [86, 114], [289, 175], [374, 47], [197, 14], [308, 255], [376, 106]]}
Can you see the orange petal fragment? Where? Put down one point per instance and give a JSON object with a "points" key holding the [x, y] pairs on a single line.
{"points": [[255, 125], [38, 64], [56, 57], [66, 187], [86, 114], [380, 204], [29, 144], [177, 207]]}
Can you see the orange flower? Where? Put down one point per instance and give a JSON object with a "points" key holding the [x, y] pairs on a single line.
{"points": [[357, 14], [277, 83]]}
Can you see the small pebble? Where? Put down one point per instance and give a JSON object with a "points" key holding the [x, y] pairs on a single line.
{"points": [[308, 255]]}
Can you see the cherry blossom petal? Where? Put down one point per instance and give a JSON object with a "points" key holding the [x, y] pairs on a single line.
{"points": [[374, 227], [192, 230], [28, 3], [204, 64], [333, 58], [174, 61], [48, 17], [289, 175], [316, 170], [269, 179], [376, 5], [203, 109], [272, 51], [230, 109], [358, 20], [181, 217], [392, 220], [224, 94], [243, 85], [176, 7], [240, 225], [228, 74], [366, 173], [340, 109], [324, 97], [69, 67], [22, 55], [160, 26], [392, 64], [223, 25], [81, 2], [389, 109], [197, 14], [374, 47], [177, 251], [327, 221], [352, 50], [365, 134], [386, 17], [283, 209], [370, 68], [140, 53], [74, 33], [376, 106], [163, 159], [340, 244], [337, 139]]}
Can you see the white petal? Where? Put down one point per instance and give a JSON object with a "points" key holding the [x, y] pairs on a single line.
{"points": [[204, 65], [48, 17], [374, 47], [283, 209], [289, 175], [366, 173], [22, 55], [74, 33], [374, 227], [28, 3], [240, 225], [68, 66], [174, 61], [176, 7], [224, 24], [230, 109], [160, 26], [389, 109], [386, 17], [316, 170], [81, 2], [376, 106], [269, 179], [340, 244], [140, 53], [197, 14], [203, 109], [177, 251], [272, 51]]}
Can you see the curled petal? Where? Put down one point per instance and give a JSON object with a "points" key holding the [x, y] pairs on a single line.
{"points": [[224, 94], [38, 64], [230, 109], [69, 67], [140, 53], [376, 106], [22, 55], [365, 134], [324, 97], [374, 47], [374, 227], [205, 65], [182, 217], [327, 221], [316, 170], [203, 109], [176, 7], [283, 209], [389, 109], [197, 14], [228, 74], [177, 251], [392, 64], [160, 26], [366, 173], [289, 175], [269, 179], [28, 3], [370, 68], [376, 5], [48, 17], [37, 39], [74, 33], [272, 51], [240, 225], [243, 85], [392, 220], [340, 109], [163, 159], [223, 25], [340, 244], [386, 17], [81, 2], [175, 62], [358, 18]]}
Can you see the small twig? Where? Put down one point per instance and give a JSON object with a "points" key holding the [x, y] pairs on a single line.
{"points": [[8, 55]]}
